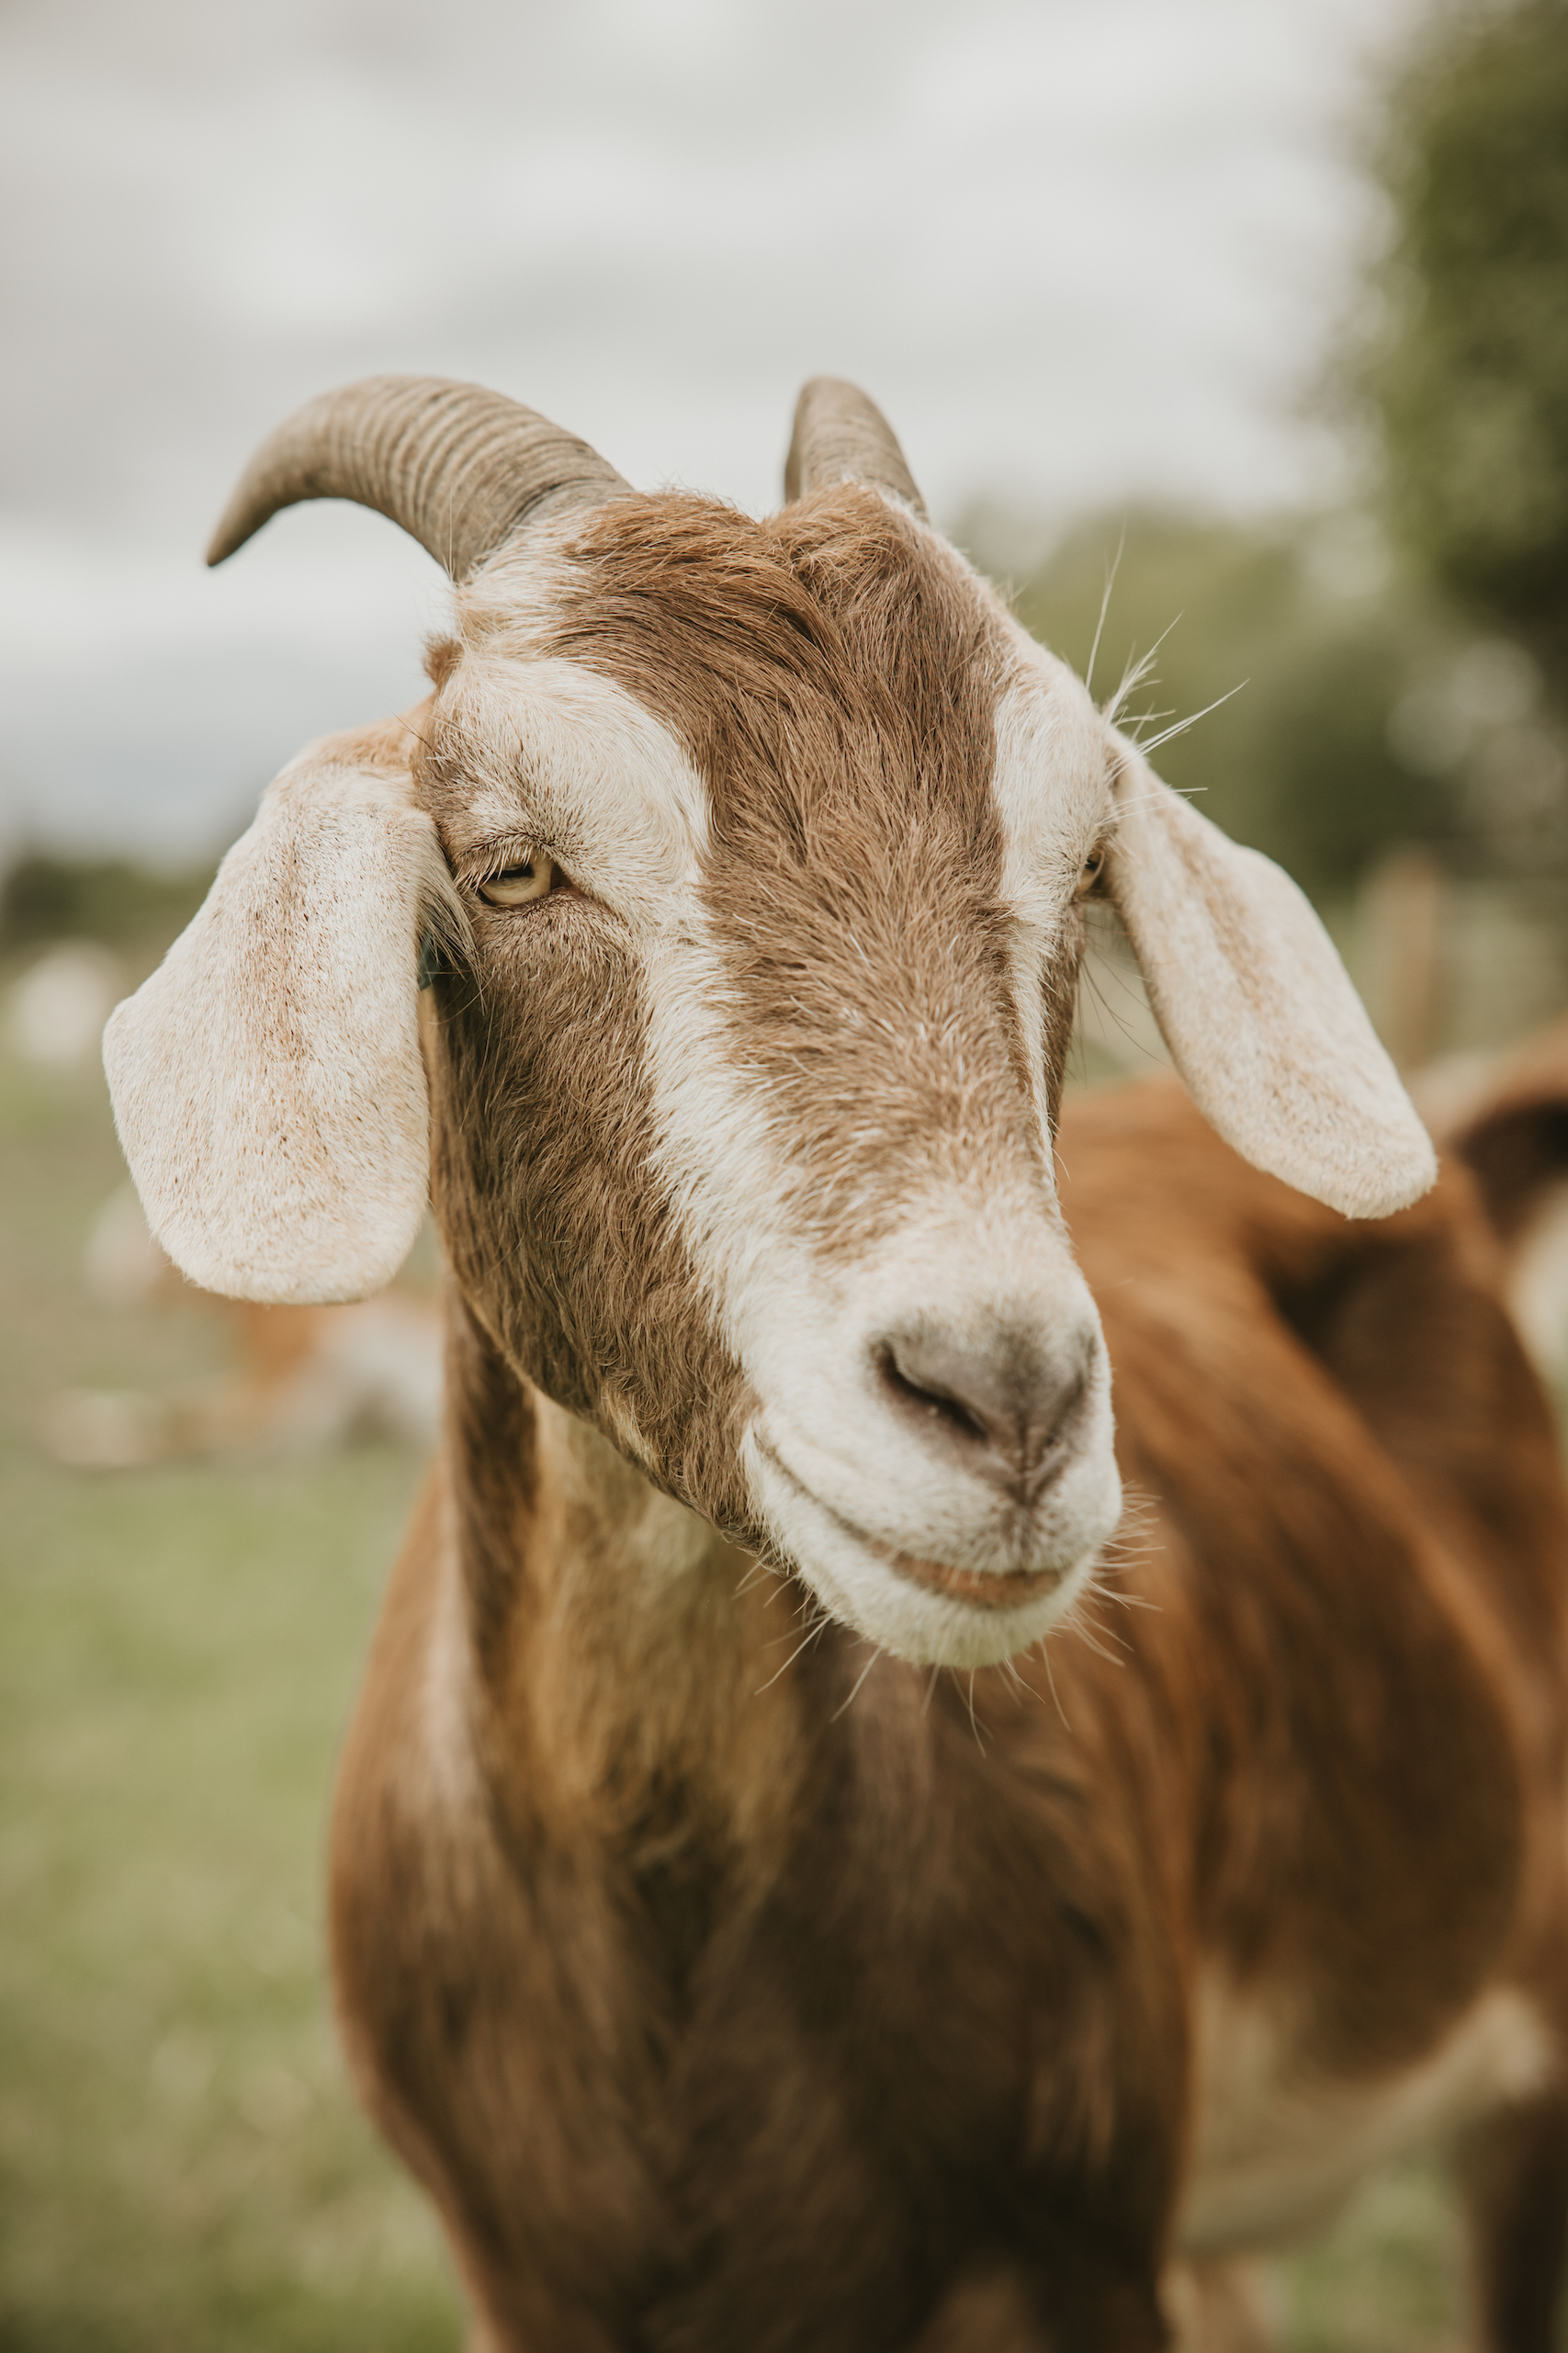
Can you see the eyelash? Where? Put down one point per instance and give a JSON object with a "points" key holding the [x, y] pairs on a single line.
{"points": [[512, 850], [515, 860]]}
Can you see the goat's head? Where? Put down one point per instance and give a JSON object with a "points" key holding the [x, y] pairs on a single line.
{"points": [[745, 863]]}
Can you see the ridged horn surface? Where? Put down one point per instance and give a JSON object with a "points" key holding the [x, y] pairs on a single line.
{"points": [[842, 437], [459, 468]]}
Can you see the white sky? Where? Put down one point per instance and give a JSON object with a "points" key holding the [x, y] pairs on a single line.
{"points": [[1081, 251]]}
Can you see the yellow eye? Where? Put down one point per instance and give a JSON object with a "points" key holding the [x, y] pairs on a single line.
{"points": [[515, 885]]}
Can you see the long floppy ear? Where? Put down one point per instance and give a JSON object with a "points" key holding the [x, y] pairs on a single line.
{"points": [[1256, 1009], [267, 1082]]}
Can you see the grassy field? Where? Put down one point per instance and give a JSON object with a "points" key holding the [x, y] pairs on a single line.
{"points": [[181, 2164]]}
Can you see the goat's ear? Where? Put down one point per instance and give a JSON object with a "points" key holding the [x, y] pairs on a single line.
{"points": [[1256, 1009], [268, 1081]]}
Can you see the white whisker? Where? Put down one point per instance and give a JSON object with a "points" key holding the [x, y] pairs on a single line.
{"points": [[1051, 1678], [1182, 725], [854, 1695], [1114, 567]]}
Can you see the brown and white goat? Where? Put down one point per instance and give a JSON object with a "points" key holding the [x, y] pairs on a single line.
{"points": [[732, 1976]]}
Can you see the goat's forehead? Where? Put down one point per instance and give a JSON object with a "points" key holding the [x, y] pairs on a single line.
{"points": [[547, 751], [848, 685]]}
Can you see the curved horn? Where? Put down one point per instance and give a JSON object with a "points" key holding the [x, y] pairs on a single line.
{"points": [[840, 436], [459, 468]]}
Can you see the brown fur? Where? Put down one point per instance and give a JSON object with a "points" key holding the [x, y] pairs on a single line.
{"points": [[834, 676], [725, 2000], [680, 2074]]}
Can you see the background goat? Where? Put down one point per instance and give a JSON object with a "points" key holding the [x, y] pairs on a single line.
{"points": [[854, 2005]]}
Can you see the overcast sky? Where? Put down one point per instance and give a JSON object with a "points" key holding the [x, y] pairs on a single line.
{"points": [[1083, 252]]}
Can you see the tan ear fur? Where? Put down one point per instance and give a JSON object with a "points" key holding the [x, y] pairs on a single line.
{"points": [[267, 1082], [1256, 1009]]}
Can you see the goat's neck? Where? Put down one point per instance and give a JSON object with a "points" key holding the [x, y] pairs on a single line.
{"points": [[624, 1656]]}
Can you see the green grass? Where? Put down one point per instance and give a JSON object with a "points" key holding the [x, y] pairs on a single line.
{"points": [[1386, 2279], [182, 2167], [181, 2163]]}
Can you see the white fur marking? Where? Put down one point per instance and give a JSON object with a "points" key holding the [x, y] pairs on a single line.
{"points": [[828, 1457], [573, 762], [1052, 795]]}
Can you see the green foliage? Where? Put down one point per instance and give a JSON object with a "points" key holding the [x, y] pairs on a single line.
{"points": [[1470, 374], [1372, 715], [1298, 626]]}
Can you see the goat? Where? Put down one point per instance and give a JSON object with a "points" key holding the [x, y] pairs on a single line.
{"points": [[302, 1378], [1507, 1118], [754, 1919]]}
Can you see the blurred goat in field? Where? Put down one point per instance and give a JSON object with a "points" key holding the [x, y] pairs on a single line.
{"points": [[300, 1380], [1507, 1118]]}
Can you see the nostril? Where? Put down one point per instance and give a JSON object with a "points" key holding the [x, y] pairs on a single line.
{"points": [[927, 1396], [1001, 1407]]}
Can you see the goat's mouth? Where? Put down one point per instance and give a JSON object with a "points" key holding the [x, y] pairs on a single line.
{"points": [[988, 1589], [984, 1589], [928, 1611]]}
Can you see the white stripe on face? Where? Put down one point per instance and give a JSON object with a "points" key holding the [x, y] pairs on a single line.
{"points": [[570, 761], [845, 1485], [1051, 784], [1051, 792], [844, 1479]]}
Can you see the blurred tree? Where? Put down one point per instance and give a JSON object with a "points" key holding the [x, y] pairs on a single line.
{"points": [[1387, 700], [44, 898], [1321, 645], [1469, 374]]}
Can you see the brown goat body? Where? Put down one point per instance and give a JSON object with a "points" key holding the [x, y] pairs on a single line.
{"points": [[719, 2007]]}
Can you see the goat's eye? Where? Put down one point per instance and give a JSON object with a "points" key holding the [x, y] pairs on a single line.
{"points": [[1092, 868], [515, 885]]}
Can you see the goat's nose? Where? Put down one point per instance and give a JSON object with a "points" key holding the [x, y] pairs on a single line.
{"points": [[999, 1407]]}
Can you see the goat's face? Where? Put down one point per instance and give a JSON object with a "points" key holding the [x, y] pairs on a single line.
{"points": [[742, 1131], [743, 1138]]}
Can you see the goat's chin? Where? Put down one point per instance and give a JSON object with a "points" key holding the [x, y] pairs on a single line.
{"points": [[928, 1611]]}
